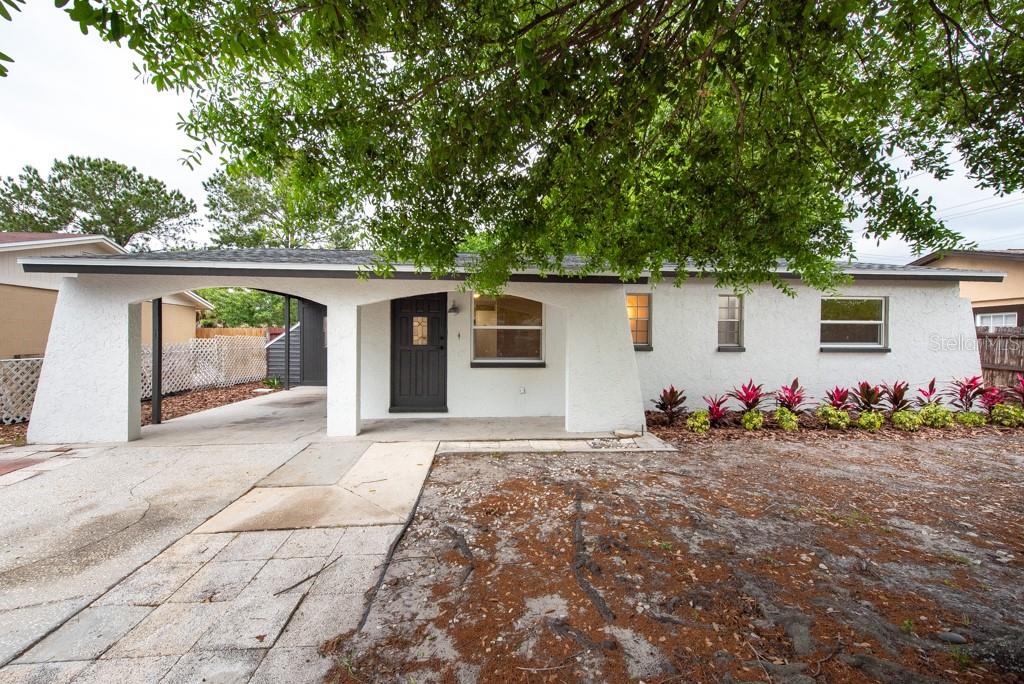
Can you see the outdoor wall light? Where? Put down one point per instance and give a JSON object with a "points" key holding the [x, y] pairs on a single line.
{"points": [[453, 308]]}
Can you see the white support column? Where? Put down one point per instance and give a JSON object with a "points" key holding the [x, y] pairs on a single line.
{"points": [[91, 378], [343, 368], [602, 383]]}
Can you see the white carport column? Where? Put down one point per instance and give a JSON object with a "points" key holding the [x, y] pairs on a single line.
{"points": [[602, 382], [343, 366], [91, 380]]}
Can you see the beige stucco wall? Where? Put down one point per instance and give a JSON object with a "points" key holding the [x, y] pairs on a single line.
{"points": [[26, 314], [179, 323], [1010, 291]]}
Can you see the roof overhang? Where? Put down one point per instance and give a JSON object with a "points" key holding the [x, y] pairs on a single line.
{"points": [[61, 242], [284, 269]]}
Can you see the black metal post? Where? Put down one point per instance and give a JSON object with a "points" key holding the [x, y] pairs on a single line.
{"points": [[157, 347], [287, 342]]}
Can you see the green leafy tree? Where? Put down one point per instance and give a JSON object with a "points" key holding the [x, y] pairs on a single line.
{"points": [[245, 210], [729, 132], [239, 307], [97, 197]]}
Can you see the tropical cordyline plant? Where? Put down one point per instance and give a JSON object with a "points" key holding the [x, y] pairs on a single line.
{"points": [[839, 398], [716, 408], [966, 391], [990, 398], [930, 395], [670, 402], [868, 397], [749, 395], [1016, 390], [894, 396], [791, 396]]}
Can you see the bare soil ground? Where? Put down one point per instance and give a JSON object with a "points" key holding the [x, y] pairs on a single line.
{"points": [[849, 560], [172, 407]]}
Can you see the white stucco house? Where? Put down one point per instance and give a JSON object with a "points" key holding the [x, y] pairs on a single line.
{"points": [[593, 349]]}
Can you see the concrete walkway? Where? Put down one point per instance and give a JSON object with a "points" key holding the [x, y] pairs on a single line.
{"points": [[222, 547]]}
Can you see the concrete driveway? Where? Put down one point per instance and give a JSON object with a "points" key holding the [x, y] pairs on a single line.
{"points": [[223, 546]]}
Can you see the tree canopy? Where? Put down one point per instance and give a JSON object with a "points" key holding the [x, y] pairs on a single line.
{"points": [[97, 197], [245, 210], [631, 132], [235, 307]]}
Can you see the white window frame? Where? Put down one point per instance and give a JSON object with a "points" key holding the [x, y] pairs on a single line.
{"points": [[883, 336], [738, 344], [506, 360], [990, 315], [649, 344]]}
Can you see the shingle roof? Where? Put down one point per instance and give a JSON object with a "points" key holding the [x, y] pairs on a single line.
{"points": [[28, 236], [320, 260], [1011, 254]]}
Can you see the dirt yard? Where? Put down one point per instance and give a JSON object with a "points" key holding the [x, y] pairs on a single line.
{"points": [[844, 561]]}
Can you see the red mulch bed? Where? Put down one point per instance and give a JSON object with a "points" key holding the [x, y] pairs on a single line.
{"points": [[200, 400], [13, 434]]}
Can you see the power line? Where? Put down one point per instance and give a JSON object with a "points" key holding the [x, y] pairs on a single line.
{"points": [[982, 210]]}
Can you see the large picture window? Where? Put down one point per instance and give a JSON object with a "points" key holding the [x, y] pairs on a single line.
{"points": [[853, 321], [638, 309], [507, 329]]}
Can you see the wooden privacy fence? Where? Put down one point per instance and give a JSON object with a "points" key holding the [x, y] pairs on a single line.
{"points": [[18, 380], [199, 363], [209, 333], [1002, 355]]}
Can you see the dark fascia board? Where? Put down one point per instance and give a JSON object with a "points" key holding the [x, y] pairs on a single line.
{"points": [[314, 272]]}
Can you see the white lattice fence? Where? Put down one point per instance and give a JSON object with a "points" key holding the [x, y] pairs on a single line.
{"points": [[18, 380], [216, 362]]}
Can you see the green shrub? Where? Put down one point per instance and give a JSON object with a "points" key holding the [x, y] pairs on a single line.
{"points": [[834, 418], [971, 419], [698, 422], [936, 416], [272, 382], [1007, 415], [753, 420], [871, 421], [786, 419], [908, 421]]}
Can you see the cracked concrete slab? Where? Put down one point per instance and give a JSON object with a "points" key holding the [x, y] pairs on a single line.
{"points": [[321, 463], [87, 635]]}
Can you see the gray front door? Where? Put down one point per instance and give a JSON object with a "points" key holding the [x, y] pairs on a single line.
{"points": [[419, 360]]}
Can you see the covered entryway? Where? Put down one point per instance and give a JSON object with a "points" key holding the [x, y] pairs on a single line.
{"points": [[419, 362]]}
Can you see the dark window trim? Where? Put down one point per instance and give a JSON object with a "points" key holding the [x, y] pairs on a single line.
{"points": [[643, 347], [731, 348], [507, 364], [855, 349]]}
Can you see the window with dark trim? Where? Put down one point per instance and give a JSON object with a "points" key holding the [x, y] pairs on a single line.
{"points": [[507, 330], [638, 309], [730, 321], [853, 321]]}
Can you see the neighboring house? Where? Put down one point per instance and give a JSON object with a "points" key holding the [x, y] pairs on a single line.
{"points": [[27, 300], [589, 348], [995, 305]]}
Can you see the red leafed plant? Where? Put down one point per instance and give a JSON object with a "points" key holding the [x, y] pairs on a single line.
{"points": [[670, 402], [895, 395], [839, 398], [966, 391], [867, 396], [716, 408], [990, 398], [791, 396], [1016, 390], [749, 395], [929, 395]]}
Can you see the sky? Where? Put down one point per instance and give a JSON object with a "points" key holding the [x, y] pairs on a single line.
{"points": [[72, 94]]}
